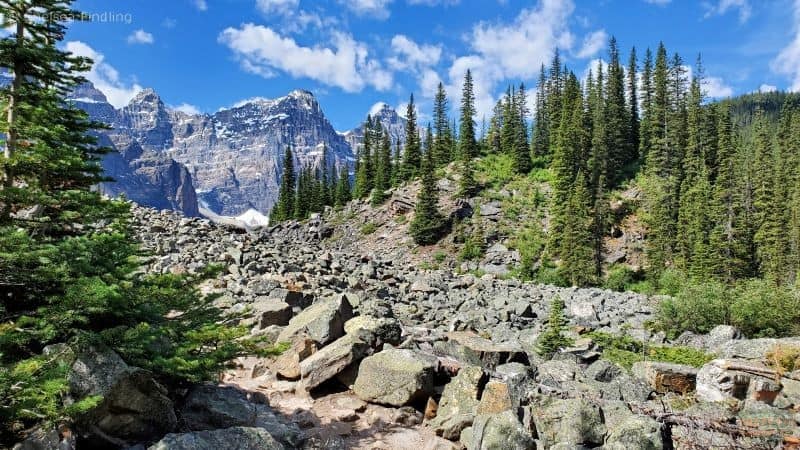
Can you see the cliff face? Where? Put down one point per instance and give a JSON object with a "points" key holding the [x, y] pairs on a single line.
{"points": [[228, 163], [389, 119]]}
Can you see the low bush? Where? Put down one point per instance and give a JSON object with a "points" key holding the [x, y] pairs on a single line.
{"points": [[626, 351]]}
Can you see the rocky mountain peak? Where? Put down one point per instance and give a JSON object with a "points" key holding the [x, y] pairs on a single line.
{"points": [[87, 93]]}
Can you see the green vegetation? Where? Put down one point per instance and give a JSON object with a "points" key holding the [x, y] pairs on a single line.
{"points": [[368, 228], [428, 224], [68, 263], [756, 307], [625, 351], [553, 338]]}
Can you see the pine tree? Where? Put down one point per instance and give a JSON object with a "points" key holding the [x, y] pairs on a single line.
{"points": [[576, 249], [467, 146], [343, 190], [646, 123], [411, 154], [553, 339], [68, 255], [383, 169], [633, 104], [441, 146], [428, 223], [284, 206], [617, 122], [365, 169], [522, 155], [540, 145]]}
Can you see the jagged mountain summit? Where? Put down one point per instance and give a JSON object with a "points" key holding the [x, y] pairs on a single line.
{"points": [[389, 118], [231, 159]]}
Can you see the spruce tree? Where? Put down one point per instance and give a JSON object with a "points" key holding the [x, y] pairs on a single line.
{"points": [[467, 146], [441, 122], [285, 205], [522, 155], [617, 122], [633, 104], [428, 223], [383, 168], [540, 145], [365, 170], [645, 125], [412, 152], [68, 255], [343, 189], [576, 249]]}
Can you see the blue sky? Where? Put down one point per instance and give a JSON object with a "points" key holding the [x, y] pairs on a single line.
{"points": [[202, 55]]}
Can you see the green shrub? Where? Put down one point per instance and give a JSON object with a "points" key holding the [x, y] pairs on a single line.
{"points": [[695, 307], [439, 256], [760, 309], [620, 278], [757, 307], [529, 242], [368, 228], [553, 337], [473, 248], [495, 170], [625, 351]]}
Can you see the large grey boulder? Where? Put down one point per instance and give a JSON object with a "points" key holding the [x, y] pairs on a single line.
{"points": [[501, 431], [569, 421], [459, 401], [271, 312], [375, 331], [234, 438], [323, 321], [134, 405], [478, 351], [637, 432], [666, 377], [396, 377], [209, 407], [715, 383], [332, 360]]}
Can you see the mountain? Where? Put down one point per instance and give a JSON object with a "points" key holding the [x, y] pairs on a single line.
{"points": [[232, 159], [145, 176], [388, 118]]}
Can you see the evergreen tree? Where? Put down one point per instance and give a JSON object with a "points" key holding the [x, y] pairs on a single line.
{"points": [[522, 156], [285, 205], [383, 169], [343, 190], [553, 339], [645, 125], [540, 145], [365, 169], [576, 249], [633, 104], [412, 153], [67, 255], [467, 146], [428, 223], [441, 147], [617, 122]]}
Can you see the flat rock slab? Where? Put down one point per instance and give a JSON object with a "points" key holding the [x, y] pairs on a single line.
{"points": [[235, 438], [332, 360], [396, 377], [476, 350], [666, 377], [459, 401], [323, 321]]}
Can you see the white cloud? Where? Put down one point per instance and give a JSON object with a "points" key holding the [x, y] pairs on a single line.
{"points": [[594, 67], [767, 88], [201, 5], [280, 7], [376, 9], [715, 87], [187, 108], [433, 2], [658, 2], [788, 60], [721, 7], [346, 65], [592, 43], [521, 47], [140, 37], [104, 76], [408, 54]]}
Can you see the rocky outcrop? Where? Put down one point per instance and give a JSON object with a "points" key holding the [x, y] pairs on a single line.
{"points": [[235, 438], [396, 377]]}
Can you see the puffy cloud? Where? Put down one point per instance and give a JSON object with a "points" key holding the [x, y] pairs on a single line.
{"points": [[104, 76], [788, 60], [140, 37], [187, 108], [521, 47], [201, 5], [408, 54], [721, 7], [280, 7], [592, 43], [715, 87], [767, 88], [433, 2], [346, 65], [376, 9]]}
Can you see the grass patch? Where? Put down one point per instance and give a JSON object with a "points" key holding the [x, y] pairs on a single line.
{"points": [[626, 351], [368, 228]]}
